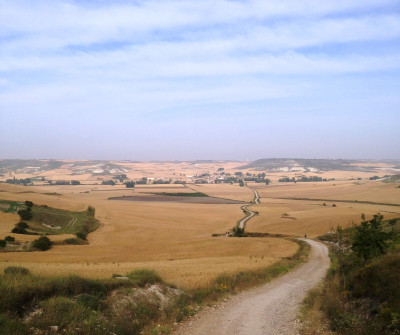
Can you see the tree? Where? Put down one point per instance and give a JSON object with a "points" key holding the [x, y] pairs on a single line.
{"points": [[42, 243], [28, 204], [237, 232], [108, 182], [25, 214], [369, 239], [130, 184]]}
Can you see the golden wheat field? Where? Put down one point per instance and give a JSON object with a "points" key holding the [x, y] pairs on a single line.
{"points": [[172, 238], [175, 238], [280, 213]]}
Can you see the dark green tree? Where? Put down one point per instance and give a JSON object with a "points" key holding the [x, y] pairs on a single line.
{"points": [[130, 184], [369, 238], [25, 214], [42, 243], [28, 204]]}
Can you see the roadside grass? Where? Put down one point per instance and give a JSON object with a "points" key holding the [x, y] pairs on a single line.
{"points": [[357, 297], [137, 303], [81, 306]]}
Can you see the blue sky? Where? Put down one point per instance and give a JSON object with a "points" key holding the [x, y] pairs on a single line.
{"points": [[185, 80]]}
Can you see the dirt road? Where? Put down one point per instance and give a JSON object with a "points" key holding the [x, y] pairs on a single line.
{"points": [[269, 309]]}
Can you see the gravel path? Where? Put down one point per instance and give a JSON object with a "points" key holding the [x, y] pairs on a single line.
{"points": [[269, 309]]}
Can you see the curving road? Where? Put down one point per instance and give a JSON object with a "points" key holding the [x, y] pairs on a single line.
{"points": [[242, 222], [267, 310]]}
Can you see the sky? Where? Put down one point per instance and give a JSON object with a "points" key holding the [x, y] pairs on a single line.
{"points": [[210, 79]]}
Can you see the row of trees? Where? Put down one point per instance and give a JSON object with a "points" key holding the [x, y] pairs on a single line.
{"points": [[302, 179]]}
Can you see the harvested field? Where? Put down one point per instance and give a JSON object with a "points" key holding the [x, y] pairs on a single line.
{"points": [[173, 235], [344, 201], [187, 273], [173, 238]]}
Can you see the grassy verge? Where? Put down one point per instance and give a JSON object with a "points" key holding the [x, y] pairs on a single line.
{"points": [[358, 296], [137, 303]]}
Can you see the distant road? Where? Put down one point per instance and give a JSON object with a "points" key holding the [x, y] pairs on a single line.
{"points": [[242, 223], [267, 310]]}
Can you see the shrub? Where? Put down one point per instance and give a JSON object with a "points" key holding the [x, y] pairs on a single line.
{"points": [[18, 230], [3, 243], [9, 239], [141, 277], [25, 214], [67, 314], [238, 232], [28, 204], [42, 243], [22, 225], [16, 271], [81, 235], [370, 240]]}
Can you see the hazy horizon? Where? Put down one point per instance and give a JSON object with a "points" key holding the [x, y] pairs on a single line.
{"points": [[210, 80], [205, 160]]}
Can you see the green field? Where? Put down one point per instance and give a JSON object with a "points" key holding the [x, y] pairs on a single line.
{"points": [[53, 221]]}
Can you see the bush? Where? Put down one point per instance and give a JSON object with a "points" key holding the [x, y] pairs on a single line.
{"points": [[22, 225], [18, 230], [25, 214], [9, 239], [81, 235], [237, 232], [141, 277], [370, 240], [28, 204], [16, 271], [42, 243], [3, 243]]}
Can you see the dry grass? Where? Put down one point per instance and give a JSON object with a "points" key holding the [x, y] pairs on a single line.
{"points": [[186, 273]]}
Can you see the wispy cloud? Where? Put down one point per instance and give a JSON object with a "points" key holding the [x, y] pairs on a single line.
{"points": [[154, 57]]}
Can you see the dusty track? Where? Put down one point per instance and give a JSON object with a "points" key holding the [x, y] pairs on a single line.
{"points": [[269, 309]]}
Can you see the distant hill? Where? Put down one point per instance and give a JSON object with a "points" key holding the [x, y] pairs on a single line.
{"points": [[315, 165], [392, 179], [29, 164]]}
